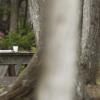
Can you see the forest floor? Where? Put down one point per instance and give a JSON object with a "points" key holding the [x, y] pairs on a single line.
{"points": [[93, 91], [5, 83]]}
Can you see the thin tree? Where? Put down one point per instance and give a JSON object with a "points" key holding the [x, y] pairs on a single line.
{"points": [[13, 15]]}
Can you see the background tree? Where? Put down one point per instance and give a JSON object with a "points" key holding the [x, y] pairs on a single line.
{"points": [[4, 16], [34, 16], [13, 15]]}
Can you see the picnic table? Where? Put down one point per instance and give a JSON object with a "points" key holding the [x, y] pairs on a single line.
{"points": [[13, 58]]}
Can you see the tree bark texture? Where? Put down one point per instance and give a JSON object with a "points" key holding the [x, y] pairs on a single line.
{"points": [[34, 18], [89, 46]]}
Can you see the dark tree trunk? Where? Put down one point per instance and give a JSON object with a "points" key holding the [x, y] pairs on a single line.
{"points": [[26, 12], [13, 15], [11, 70]]}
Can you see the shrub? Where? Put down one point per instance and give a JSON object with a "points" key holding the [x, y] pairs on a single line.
{"points": [[25, 42]]}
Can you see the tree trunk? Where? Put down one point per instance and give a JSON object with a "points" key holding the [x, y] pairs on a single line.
{"points": [[13, 15], [90, 46], [60, 48], [34, 16], [13, 23], [25, 14], [52, 73]]}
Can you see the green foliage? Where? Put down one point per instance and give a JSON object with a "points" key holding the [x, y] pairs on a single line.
{"points": [[23, 29], [25, 42], [2, 88], [34, 49], [4, 8], [23, 25]]}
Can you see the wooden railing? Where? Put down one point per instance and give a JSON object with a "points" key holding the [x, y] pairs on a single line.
{"points": [[12, 58]]}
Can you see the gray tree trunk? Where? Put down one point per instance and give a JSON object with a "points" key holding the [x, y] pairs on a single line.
{"points": [[89, 46], [34, 18]]}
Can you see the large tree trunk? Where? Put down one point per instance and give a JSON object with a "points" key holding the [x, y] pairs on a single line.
{"points": [[60, 48], [90, 46], [52, 73]]}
